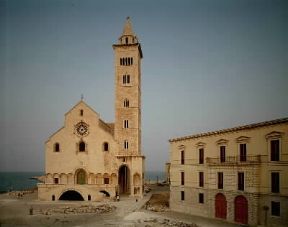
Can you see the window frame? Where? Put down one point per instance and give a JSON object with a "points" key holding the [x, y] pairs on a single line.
{"points": [[201, 155], [241, 181], [182, 195], [220, 180], [243, 152], [277, 212], [222, 153], [56, 147], [182, 157], [182, 177], [275, 154], [201, 179], [201, 198], [105, 146], [275, 182]]}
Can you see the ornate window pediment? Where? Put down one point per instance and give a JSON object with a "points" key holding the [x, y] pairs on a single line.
{"points": [[222, 142], [181, 147], [200, 144], [243, 139], [274, 135]]}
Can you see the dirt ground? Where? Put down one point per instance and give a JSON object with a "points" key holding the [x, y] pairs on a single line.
{"points": [[16, 211]]}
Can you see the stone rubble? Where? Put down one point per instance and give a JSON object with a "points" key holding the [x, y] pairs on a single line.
{"points": [[151, 222], [83, 209]]}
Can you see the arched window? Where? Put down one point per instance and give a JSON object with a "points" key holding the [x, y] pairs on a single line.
{"points": [[126, 103], [56, 147], [81, 112], [53, 197], [121, 61], [126, 40], [89, 197], [82, 146], [105, 146]]}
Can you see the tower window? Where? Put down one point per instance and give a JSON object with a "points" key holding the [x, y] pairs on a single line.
{"points": [[126, 125], [81, 112], [105, 146], [126, 79], [126, 40], [82, 146], [56, 147], [125, 144], [126, 103], [182, 195], [121, 61]]}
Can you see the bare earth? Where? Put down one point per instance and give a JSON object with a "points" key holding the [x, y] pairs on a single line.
{"points": [[152, 210]]}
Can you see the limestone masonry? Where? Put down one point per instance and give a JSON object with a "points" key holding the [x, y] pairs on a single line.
{"points": [[87, 158], [238, 174]]}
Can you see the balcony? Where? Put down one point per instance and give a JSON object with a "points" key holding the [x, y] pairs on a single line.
{"points": [[235, 160]]}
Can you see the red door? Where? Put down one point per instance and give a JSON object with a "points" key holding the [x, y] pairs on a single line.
{"points": [[220, 206], [241, 209]]}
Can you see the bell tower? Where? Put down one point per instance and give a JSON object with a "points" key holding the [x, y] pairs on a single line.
{"points": [[127, 130], [127, 60]]}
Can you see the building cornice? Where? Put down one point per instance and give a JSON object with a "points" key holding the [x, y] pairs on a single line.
{"points": [[234, 129]]}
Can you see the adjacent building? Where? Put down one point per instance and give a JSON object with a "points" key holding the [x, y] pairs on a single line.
{"points": [[87, 157], [238, 174]]}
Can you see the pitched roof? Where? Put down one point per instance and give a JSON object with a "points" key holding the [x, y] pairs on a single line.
{"points": [[250, 126]]}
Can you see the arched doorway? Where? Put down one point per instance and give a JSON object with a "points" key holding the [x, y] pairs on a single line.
{"points": [[124, 180], [81, 176], [241, 209], [220, 206], [72, 196]]}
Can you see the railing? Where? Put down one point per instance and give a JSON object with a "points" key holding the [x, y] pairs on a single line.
{"points": [[234, 160]]}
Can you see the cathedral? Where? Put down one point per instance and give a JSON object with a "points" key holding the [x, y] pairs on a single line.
{"points": [[88, 158]]}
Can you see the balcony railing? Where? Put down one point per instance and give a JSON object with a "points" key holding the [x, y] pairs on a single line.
{"points": [[234, 160]]}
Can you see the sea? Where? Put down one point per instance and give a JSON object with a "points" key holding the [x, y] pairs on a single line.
{"points": [[13, 181]]}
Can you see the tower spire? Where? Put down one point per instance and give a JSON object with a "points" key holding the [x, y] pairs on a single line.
{"points": [[127, 30]]}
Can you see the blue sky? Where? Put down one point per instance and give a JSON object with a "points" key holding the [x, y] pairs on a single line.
{"points": [[207, 65]]}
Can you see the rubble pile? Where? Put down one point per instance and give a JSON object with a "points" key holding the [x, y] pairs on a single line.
{"points": [[151, 222], [83, 209], [158, 202]]}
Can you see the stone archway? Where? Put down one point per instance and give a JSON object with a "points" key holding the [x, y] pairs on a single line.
{"points": [[124, 180], [71, 195]]}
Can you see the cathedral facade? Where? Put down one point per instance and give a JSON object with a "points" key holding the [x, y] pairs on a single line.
{"points": [[88, 158]]}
